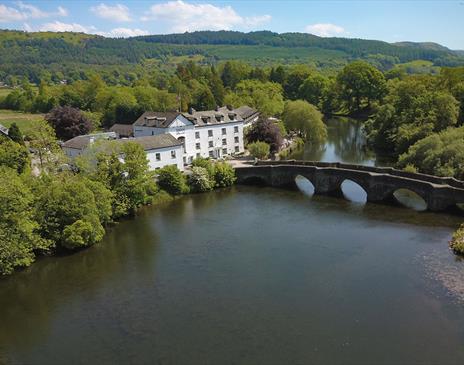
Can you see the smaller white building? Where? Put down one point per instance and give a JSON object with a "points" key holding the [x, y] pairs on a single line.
{"points": [[161, 150]]}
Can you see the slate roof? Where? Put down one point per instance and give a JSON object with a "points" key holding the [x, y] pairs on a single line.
{"points": [[208, 117], [81, 142], [156, 119], [154, 142], [147, 142], [246, 112], [123, 130]]}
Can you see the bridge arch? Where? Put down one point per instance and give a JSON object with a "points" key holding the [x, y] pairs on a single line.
{"points": [[354, 191], [254, 180], [409, 198], [305, 185]]}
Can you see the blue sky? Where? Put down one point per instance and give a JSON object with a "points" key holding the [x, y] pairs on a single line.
{"points": [[392, 21]]}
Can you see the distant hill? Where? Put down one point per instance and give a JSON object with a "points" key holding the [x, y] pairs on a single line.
{"points": [[69, 54]]}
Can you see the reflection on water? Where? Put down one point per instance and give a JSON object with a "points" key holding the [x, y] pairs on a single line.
{"points": [[410, 199], [353, 192], [345, 143], [246, 275], [249, 276]]}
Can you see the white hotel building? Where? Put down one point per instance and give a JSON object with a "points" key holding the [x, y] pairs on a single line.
{"points": [[211, 133]]}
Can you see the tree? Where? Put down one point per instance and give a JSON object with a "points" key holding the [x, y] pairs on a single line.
{"points": [[264, 130], [63, 202], [303, 117], [199, 180], [202, 98], [224, 174], [313, 89], [439, 154], [259, 150], [14, 155], [263, 96], [233, 72], [68, 122], [19, 236], [413, 109], [43, 143], [172, 180], [15, 134], [216, 86], [295, 79], [278, 75], [360, 84]]}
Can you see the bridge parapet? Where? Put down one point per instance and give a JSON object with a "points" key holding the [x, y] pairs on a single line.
{"points": [[378, 182], [451, 181]]}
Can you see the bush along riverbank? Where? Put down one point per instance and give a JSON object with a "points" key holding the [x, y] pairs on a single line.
{"points": [[63, 211], [457, 242]]}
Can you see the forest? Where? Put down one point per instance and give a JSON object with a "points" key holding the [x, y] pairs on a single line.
{"points": [[72, 56]]}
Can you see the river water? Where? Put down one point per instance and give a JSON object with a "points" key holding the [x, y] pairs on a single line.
{"points": [[248, 275]]}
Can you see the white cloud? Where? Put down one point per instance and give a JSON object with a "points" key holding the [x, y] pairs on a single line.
{"points": [[124, 32], [182, 17], [57, 26], [118, 12], [25, 11], [325, 29]]}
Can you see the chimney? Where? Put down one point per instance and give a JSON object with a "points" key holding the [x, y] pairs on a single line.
{"points": [[217, 108], [191, 110]]}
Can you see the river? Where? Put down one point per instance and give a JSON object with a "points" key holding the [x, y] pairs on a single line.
{"points": [[249, 275]]}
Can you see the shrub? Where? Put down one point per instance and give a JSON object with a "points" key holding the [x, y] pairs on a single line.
{"points": [[265, 130], [259, 150], [224, 175], [199, 180], [172, 180], [205, 163], [82, 233], [457, 242]]}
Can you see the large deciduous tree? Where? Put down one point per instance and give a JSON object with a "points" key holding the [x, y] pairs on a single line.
{"points": [[306, 119], [19, 237], [68, 122], [360, 84], [265, 130]]}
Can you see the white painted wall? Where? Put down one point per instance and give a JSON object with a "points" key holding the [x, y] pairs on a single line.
{"points": [[165, 157], [194, 147]]}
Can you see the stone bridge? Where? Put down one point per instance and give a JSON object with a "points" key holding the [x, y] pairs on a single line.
{"points": [[379, 183]]}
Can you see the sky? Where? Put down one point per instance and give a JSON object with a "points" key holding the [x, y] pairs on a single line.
{"points": [[391, 21]]}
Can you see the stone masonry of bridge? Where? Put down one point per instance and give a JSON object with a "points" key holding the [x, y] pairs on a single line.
{"points": [[379, 183]]}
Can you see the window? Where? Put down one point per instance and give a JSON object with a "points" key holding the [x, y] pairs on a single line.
{"points": [[173, 154], [197, 134], [236, 129], [210, 143], [197, 146], [224, 151], [210, 133], [236, 139], [211, 154], [224, 142], [198, 154], [224, 131], [237, 149], [152, 133], [158, 157]]}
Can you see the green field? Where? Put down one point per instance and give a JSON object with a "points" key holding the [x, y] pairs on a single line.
{"points": [[24, 121]]}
